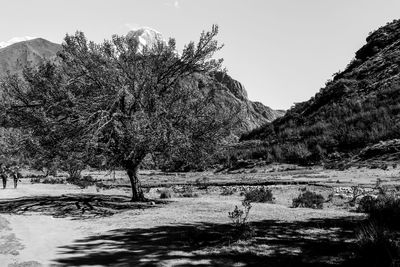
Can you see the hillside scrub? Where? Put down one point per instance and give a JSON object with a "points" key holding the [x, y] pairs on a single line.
{"points": [[358, 107]]}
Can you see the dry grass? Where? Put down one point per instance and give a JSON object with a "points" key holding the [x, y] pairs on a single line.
{"points": [[198, 226]]}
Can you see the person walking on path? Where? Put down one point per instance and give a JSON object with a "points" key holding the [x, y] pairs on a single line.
{"points": [[3, 175], [15, 175]]}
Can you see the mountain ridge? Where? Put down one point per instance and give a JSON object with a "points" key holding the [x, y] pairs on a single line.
{"points": [[359, 107], [15, 40], [15, 57]]}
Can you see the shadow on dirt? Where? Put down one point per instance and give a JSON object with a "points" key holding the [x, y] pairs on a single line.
{"points": [[318, 242], [76, 206]]}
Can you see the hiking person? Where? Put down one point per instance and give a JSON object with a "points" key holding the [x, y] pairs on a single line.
{"points": [[15, 175], [3, 174]]}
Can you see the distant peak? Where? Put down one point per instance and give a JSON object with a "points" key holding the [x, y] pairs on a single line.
{"points": [[144, 30], [15, 40], [146, 36]]}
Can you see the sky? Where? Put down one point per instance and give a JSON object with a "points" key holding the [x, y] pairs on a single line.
{"points": [[282, 51]]}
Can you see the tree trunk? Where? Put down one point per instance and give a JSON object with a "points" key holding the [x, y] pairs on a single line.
{"points": [[133, 173]]}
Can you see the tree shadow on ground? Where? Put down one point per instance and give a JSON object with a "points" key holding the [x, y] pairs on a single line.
{"points": [[317, 242], [75, 206]]}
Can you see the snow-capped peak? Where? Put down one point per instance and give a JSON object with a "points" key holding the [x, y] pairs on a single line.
{"points": [[146, 36], [15, 40]]}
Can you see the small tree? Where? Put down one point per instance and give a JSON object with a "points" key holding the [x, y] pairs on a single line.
{"points": [[118, 101]]}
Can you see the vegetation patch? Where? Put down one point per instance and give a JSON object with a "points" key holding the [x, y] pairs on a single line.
{"points": [[385, 210], [83, 182], [165, 193], [53, 180], [227, 191], [47, 180], [378, 246], [203, 183], [379, 238], [308, 199], [239, 217], [261, 194], [187, 191]]}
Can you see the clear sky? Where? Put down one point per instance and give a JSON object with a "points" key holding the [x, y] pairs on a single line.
{"points": [[282, 51]]}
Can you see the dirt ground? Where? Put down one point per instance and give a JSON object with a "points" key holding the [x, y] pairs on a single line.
{"points": [[63, 225]]}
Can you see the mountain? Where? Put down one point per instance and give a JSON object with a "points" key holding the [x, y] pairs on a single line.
{"points": [[358, 108], [15, 57], [146, 36], [15, 40], [255, 113]]}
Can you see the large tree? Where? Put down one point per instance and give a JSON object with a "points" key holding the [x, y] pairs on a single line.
{"points": [[118, 101]]}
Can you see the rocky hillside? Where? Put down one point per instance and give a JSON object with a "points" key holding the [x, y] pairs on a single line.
{"points": [[15, 40], [255, 113], [15, 57], [359, 107]]}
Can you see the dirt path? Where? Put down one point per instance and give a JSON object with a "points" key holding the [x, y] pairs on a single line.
{"points": [[166, 235]]}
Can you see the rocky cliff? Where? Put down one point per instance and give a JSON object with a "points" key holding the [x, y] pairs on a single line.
{"points": [[255, 113]]}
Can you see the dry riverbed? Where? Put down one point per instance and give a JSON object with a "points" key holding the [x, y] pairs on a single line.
{"points": [[63, 225]]}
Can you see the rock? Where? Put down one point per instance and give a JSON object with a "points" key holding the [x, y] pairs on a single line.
{"points": [[379, 149]]}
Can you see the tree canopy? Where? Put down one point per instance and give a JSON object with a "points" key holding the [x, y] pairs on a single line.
{"points": [[113, 103]]}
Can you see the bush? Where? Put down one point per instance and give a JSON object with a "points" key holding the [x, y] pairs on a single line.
{"points": [[378, 239], [239, 218], [227, 191], [165, 193], [308, 199], [51, 180], [377, 246], [202, 182], [103, 186], [35, 180], [366, 204], [385, 210], [83, 182], [187, 191], [259, 195]]}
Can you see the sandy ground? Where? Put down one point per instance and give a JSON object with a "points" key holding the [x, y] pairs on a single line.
{"points": [[153, 237]]}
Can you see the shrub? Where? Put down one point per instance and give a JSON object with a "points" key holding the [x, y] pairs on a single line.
{"points": [[83, 182], [308, 199], [165, 193], [366, 204], [356, 192], [187, 191], [377, 246], [239, 218], [227, 191], [259, 195], [385, 210], [35, 180], [51, 180], [103, 186], [202, 182], [378, 239]]}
